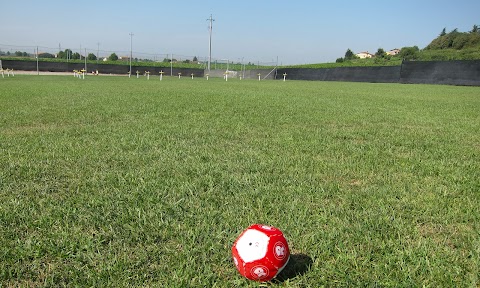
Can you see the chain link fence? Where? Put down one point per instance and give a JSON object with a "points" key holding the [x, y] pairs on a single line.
{"points": [[105, 56]]}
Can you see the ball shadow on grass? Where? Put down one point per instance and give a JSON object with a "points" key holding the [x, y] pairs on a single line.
{"points": [[299, 264]]}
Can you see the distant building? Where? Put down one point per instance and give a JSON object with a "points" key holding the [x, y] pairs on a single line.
{"points": [[363, 55], [393, 52]]}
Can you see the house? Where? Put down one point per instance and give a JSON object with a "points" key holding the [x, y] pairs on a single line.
{"points": [[393, 52], [363, 55]]}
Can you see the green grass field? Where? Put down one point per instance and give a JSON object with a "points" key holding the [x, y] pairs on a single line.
{"points": [[114, 182]]}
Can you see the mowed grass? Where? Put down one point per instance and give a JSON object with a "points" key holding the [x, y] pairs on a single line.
{"points": [[115, 182]]}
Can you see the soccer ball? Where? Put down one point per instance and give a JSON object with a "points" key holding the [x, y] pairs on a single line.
{"points": [[260, 252]]}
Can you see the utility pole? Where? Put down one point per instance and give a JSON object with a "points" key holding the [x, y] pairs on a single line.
{"points": [[131, 45], [210, 27]]}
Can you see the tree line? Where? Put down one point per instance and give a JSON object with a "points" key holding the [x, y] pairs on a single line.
{"points": [[467, 42]]}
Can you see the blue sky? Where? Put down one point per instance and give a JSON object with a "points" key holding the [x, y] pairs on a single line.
{"points": [[296, 32]]}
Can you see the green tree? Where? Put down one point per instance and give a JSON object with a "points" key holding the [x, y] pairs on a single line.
{"points": [[349, 55], [69, 54], [339, 60], [18, 53], [409, 53], [475, 29], [91, 56], [46, 55], [75, 55], [444, 32], [380, 53], [113, 57], [195, 59]]}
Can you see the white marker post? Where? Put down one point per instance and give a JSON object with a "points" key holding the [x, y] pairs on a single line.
{"points": [[207, 76], [192, 75], [8, 72], [83, 73], [148, 74], [13, 74], [179, 75], [161, 75], [284, 76], [129, 74], [259, 76], [137, 74], [226, 76]]}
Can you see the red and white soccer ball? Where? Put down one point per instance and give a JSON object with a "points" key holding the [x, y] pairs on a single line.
{"points": [[260, 252]]}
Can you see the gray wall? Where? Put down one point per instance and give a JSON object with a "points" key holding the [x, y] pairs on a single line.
{"points": [[249, 74], [386, 74], [465, 72], [102, 68], [442, 72], [418, 72]]}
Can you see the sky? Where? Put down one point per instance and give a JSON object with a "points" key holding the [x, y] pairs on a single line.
{"points": [[294, 32]]}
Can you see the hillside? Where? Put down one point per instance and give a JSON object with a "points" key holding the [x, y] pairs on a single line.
{"points": [[456, 40], [454, 45]]}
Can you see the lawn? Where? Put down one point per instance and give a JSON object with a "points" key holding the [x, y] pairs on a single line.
{"points": [[114, 182]]}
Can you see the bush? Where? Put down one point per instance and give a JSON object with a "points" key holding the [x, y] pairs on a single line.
{"points": [[46, 55], [113, 57], [91, 56], [409, 53]]}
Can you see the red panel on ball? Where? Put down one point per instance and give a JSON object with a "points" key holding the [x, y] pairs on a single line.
{"points": [[260, 252]]}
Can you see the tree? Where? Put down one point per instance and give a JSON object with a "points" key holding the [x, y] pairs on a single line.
{"points": [[349, 55], [113, 57], [195, 59], [68, 53], [46, 55], [409, 53], [380, 53], [339, 60], [91, 56], [75, 55], [444, 32], [475, 29]]}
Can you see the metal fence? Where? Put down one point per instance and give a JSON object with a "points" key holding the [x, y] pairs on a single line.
{"points": [[98, 55]]}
